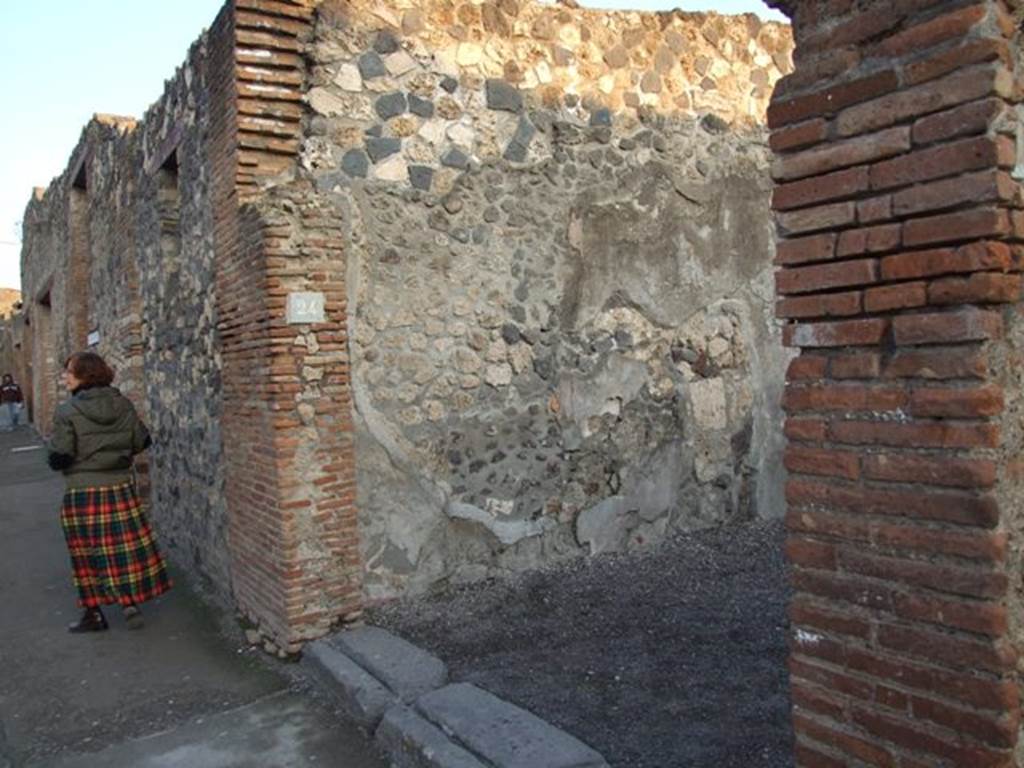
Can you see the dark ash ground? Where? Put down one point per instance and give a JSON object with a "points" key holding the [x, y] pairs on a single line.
{"points": [[672, 658]]}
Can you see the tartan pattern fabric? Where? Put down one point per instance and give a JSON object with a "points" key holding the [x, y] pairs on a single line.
{"points": [[114, 558]]}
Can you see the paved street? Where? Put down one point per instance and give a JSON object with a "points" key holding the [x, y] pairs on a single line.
{"points": [[185, 691]]}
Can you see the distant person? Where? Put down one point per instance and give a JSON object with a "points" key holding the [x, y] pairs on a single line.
{"points": [[10, 396], [114, 558]]}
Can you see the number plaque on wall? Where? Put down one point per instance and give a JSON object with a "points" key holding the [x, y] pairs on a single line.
{"points": [[305, 308]]}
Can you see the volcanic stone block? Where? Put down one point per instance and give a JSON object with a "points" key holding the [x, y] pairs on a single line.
{"points": [[504, 735], [504, 96]]}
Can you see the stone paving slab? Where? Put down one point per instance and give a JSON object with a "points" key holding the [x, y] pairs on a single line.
{"points": [[372, 672], [281, 731], [406, 669], [361, 695], [502, 734], [409, 741]]}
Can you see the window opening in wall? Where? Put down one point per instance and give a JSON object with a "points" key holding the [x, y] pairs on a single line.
{"points": [[80, 261], [169, 207], [44, 345], [168, 203]]}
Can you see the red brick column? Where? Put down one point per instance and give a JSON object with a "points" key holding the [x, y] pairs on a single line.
{"points": [[898, 221], [286, 424]]}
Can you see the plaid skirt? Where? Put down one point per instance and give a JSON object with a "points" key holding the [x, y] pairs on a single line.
{"points": [[114, 558]]}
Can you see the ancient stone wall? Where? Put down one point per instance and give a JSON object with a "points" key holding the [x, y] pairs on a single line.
{"points": [[118, 255], [10, 337], [180, 357], [541, 237], [7, 352], [559, 285]]}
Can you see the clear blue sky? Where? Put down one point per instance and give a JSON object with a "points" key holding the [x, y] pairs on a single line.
{"points": [[67, 59]]}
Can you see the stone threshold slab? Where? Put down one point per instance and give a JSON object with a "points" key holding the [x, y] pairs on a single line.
{"points": [[398, 691]]}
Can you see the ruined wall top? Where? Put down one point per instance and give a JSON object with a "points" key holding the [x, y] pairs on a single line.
{"points": [[564, 55]]}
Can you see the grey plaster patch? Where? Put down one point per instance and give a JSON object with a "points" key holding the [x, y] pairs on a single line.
{"points": [[379, 148], [327, 182], [361, 696], [585, 396], [410, 741], [503, 96], [605, 526], [502, 734], [508, 531], [404, 668]]}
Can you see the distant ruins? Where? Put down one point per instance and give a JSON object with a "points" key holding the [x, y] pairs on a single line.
{"points": [[10, 303], [428, 292]]}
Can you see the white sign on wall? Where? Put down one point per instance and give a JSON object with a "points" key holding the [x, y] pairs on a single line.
{"points": [[305, 307], [93, 338]]}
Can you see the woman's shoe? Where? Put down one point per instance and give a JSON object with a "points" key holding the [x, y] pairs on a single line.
{"points": [[132, 616], [92, 621]]}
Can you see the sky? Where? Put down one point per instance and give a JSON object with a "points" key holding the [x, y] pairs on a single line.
{"points": [[65, 60]]}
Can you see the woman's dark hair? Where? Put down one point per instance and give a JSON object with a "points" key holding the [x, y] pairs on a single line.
{"points": [[90, 369]]}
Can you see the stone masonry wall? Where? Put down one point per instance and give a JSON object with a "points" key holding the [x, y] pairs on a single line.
{"points": [[545, 160], [558, 276], [900, 224], [180, 352], [120, 245], [11, 334], [410, 92]]}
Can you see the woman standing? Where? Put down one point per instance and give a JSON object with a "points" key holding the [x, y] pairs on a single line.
{"points": [[96, 433]]}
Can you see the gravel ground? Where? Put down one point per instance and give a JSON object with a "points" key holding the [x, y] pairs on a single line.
{"points": [[672, 658]]}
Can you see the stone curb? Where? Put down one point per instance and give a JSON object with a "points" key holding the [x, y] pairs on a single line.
{"points": [[362, 697], [398, 691], [410, 741]]}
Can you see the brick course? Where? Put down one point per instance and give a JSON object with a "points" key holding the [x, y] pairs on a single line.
{"points": [[899, 411]]}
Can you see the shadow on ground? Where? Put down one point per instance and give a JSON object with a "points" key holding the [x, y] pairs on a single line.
{"points": [[663, 659], [186, 691]]}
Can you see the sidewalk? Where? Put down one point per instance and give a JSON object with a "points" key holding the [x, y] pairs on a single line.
{"points": [[185, 691]]}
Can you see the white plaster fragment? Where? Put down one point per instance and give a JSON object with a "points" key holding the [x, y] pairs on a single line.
{"points": [[348, 78], [399, 62], [462, 135], [521, 357], [708, 398], [325, 103], [499, 375], [468, 54], [804, 637], [446, 61], [508, 531], [393, 169], [433, 131]]}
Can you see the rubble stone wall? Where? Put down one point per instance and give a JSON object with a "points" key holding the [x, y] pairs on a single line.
{"points": [[118, 254], [541, 234], [560, 292]]}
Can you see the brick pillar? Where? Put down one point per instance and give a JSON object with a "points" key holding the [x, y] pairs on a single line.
{"points": [[286, 425], [898, 278]]}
